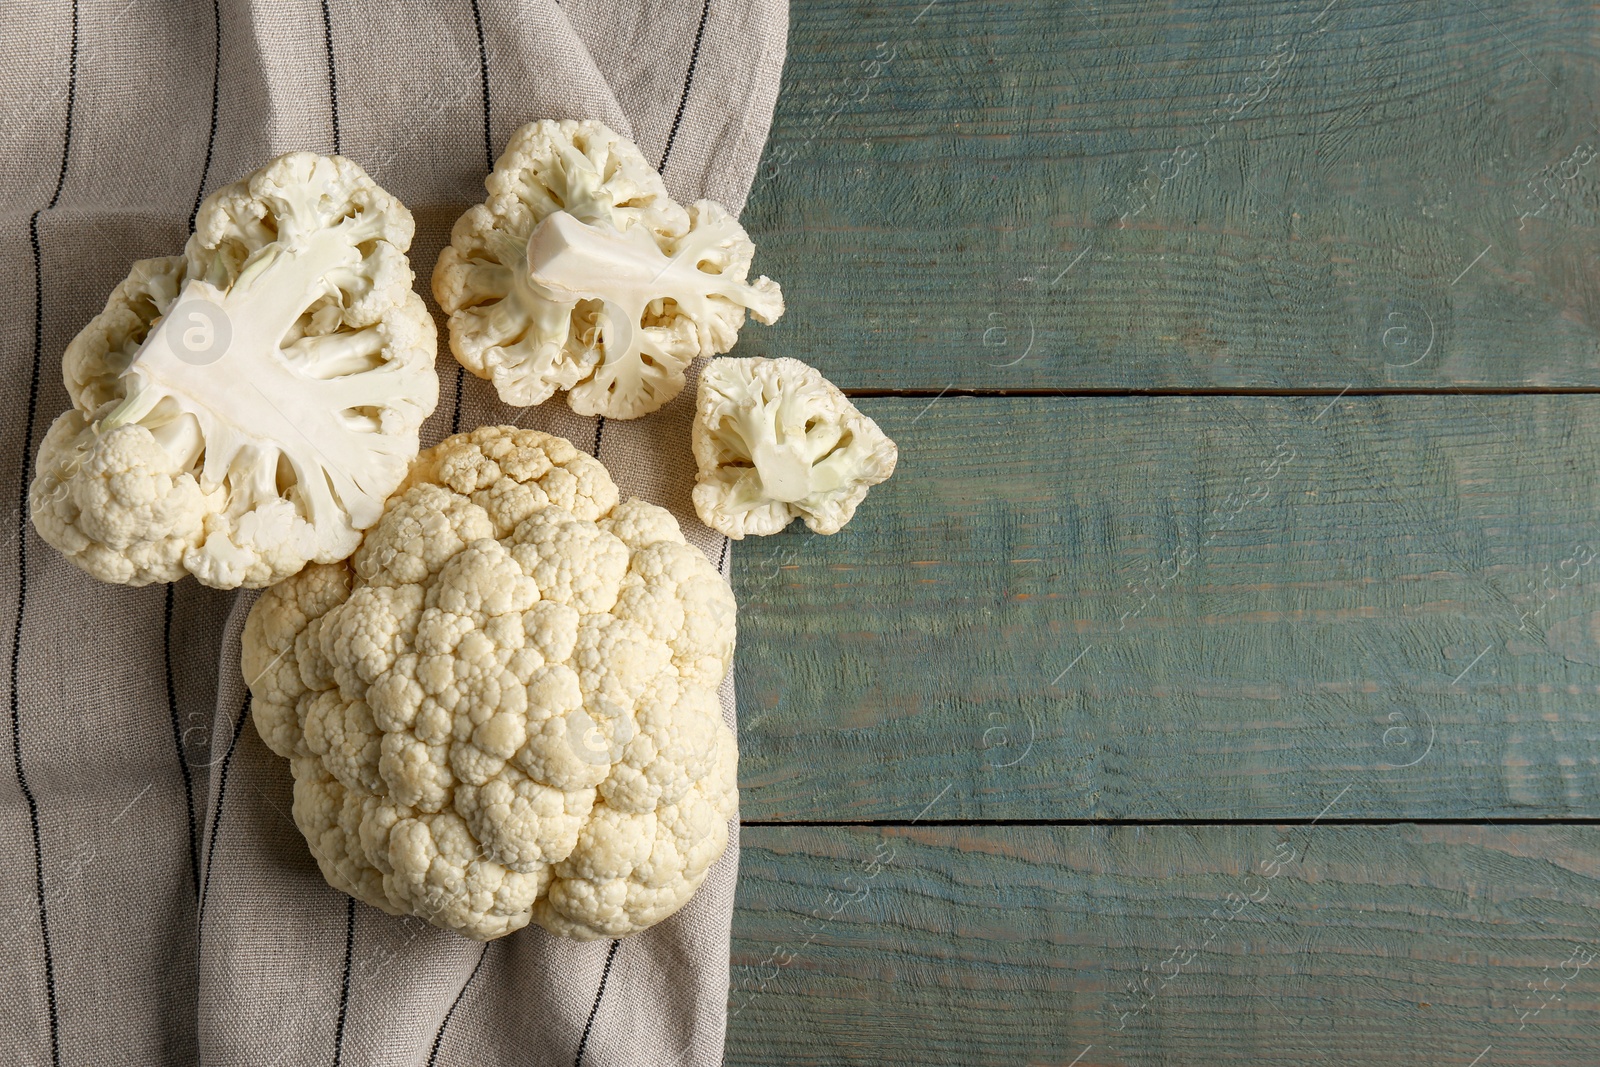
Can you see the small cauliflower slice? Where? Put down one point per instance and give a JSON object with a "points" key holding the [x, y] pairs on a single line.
{"points": [[247, 407], [580, 273], [775, 441], [503, 708]]}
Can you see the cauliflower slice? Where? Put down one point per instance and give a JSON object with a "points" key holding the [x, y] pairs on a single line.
{"points": [[247, 407], [580, 273], [503, 708], [776, 441]]}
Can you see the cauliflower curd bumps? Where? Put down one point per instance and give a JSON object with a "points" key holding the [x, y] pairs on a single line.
{"points": [[504, 706]]}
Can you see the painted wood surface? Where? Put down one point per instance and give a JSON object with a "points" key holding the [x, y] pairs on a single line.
{"points": [[1167, 946], [1099, 615], [1189, 607], [1113, 194]]}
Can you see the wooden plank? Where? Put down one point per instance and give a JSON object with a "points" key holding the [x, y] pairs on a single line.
{"points": [[1179, 607], [1185, 194], [1400, 945]]}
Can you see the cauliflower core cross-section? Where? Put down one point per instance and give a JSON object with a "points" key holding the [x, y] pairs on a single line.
{"points": [[247, 406], [580, 273], [504, 707], [774, 441]]}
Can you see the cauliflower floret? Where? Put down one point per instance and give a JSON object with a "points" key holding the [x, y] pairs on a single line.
{"points": [[640, 525], [267, 656], [670, 593], [776, 441], [580, 273], [120, 508], [246, 407], [503, 708], [627, 869]]}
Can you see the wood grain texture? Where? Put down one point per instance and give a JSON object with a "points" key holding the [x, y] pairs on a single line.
{"points": [[1273, 599], [1249, 195], [1310, 945]]}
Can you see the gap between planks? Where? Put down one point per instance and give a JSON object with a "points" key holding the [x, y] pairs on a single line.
{"points": [[1561, 820], [1086, 393]]}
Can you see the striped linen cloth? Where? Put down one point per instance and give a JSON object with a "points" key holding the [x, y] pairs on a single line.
{"points": [[157, 904]]}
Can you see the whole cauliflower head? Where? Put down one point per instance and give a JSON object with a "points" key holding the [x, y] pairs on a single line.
{"points": [[580, 273], [504, 706], [247, 406], [774, 441]]}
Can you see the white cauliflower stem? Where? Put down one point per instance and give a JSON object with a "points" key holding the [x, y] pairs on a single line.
{"points": [[246, 407], [580, 273], [774, 441], [503, 707]]}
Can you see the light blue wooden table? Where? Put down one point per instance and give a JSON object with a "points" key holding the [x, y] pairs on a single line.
{"points": [[1218, 680]]}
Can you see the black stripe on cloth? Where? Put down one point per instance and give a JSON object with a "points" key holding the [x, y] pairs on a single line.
{"points": [[333, 78], [455, 419], [488, 159], [583, 1042], [211, 140], [350, 902], [16, 635], [344, 990], [177, 741], [166, 650], [694, 57], [22, 546], [483, 78], [599, 429], [216, 816], [433, 1056], [724, 557]]}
